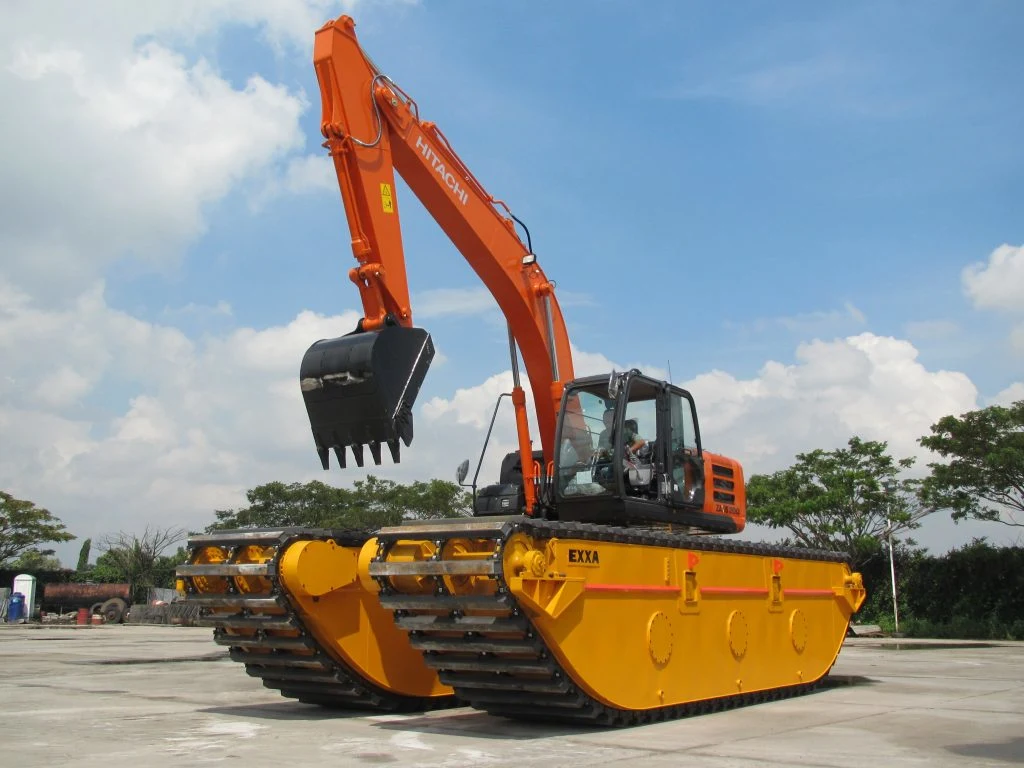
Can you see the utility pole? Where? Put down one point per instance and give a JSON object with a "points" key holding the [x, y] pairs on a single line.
{"points": [[889, 488]]}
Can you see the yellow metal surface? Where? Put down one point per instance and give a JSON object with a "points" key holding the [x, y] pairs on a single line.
{"points": [[253, 553], [210, 556], [316, 567], [349, 622], [645, 626], [660, 638]]}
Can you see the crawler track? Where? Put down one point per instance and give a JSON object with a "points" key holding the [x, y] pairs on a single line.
{"points": [[486, 648], [242, 599]]}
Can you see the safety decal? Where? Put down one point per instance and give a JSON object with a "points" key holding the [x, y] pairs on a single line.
{"points": [[387, 202]]}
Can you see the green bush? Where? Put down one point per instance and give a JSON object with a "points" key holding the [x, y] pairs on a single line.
{"points": [[975, 592]]}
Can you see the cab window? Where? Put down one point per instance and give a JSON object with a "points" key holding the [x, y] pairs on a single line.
{"points": [[584, 461], [684, 463]]}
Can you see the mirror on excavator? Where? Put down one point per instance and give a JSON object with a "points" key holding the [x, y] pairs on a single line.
{"points": [[359, 390]]}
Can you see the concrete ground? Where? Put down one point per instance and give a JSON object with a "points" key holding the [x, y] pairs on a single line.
{"points": [[152, 696]]}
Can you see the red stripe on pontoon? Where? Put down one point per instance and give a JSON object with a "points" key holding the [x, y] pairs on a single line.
{"points": [[629, 588]]}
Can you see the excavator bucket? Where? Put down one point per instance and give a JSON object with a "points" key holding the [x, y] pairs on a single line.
{"points": [[359, 390]]}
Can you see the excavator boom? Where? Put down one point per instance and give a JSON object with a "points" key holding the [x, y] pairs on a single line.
{"points": [[360, 388]]}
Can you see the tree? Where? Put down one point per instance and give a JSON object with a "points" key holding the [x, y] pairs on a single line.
{"points": [[374, 503], [432, 499], [982, 475], [83, 556], [35, 560], [369, 504], [23, 526], [843, 500], [139, 560], [272, 505]]}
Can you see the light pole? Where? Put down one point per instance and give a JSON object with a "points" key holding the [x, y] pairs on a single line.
{"points": [[890, 486]]}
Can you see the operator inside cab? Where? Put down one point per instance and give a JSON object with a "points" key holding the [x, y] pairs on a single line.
{"points": [[630, 439]]}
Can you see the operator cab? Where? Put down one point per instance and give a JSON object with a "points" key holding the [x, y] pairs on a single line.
{"points": [[629, 452]]}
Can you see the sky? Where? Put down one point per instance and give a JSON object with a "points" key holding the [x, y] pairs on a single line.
{"points": [[810, 214]]}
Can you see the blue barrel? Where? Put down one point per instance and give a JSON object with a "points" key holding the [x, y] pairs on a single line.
{"points": [[16, 607]]}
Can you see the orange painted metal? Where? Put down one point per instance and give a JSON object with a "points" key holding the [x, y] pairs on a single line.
{"points": [[735, 509], [372, 129]]}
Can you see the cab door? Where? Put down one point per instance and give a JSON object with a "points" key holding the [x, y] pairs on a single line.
{"points": [[684, 463]]}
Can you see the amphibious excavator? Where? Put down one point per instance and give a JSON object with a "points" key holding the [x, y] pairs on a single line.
{"points": [[591, 585]]}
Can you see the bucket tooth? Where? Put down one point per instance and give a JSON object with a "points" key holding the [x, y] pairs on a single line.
{"points": [[325, 457], [403, 422], [357, 451], [375, 452], [395, 450], [339, 452]]}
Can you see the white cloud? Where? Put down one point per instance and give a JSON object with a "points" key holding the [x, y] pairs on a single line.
{"points": [[770, 83], [83, 343], [302, 175], [1010, 395], [62, 387], [115, 25], [576, 299], [454, 302], [813, 321], [817, 323], [220, 309], [865, 385], [138, 424], [462, 302], [124, 135], [470, 405], [175, 427], [1017, 338], [123, 141], [999, 283], [931, 330], [152, 146], [122, 145], [592, 363]]}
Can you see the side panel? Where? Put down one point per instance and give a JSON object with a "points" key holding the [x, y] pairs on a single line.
{"points": [[351, 623], [656, 626], [592, 624]]}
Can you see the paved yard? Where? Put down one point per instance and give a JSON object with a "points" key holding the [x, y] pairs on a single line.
{"points": [[153, 696]]}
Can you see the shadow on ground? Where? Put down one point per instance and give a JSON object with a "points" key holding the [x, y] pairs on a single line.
{"points": [[1011, 751], [285, 710], [843, 681], [459, 721], [469, 722]]}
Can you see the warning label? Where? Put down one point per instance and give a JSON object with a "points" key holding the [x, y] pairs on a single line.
{"points": [[387, 202]]}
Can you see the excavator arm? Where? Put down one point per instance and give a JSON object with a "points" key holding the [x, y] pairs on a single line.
{"points": [[372, 128]]}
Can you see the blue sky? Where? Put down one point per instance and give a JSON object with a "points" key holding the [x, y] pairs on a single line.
{"points": [[731, 168], [779, 201]]}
